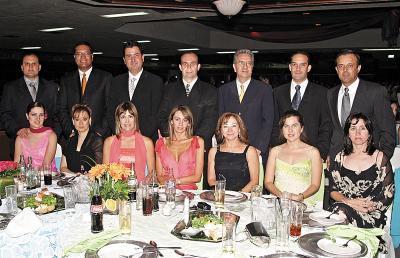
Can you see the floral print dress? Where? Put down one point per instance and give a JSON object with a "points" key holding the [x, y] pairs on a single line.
{"points": [[375, 183]]}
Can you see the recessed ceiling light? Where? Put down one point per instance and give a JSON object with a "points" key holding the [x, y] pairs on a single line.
{"points": [[56, 29], [188, 49], [150, 54], [390, 56], [318, 24], [305, 13], [31, 47], [380, 49], [117, 15], [254, 52], [226, 52], [143, 41], [97, 53], [154, 59]]}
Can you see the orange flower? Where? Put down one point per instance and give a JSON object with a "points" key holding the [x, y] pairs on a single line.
{"points": [[97, 171], [118, 171]]}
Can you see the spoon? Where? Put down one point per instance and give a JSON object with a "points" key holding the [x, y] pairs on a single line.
{"points": [[155, 245]]}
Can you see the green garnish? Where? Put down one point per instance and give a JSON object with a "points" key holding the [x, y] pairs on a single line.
{"points": [[49, 200], [199, 222]]}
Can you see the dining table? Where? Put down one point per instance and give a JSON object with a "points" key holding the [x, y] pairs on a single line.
{"points": [[61, 230]]}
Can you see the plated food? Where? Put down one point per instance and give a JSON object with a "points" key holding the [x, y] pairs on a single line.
{"points": [[43, 202]]}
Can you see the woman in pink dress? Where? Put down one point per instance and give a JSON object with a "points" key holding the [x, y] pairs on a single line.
{"points": [[129, 145], [181, 152], [40, 143]]}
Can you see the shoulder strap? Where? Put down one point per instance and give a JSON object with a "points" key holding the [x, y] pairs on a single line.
{"points": [[245, 150]]}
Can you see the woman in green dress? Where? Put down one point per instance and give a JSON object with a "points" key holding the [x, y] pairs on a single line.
{"points": [[294, 168]]}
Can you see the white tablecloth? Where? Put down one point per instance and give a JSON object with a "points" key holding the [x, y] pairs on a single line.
{"points": [[63, 231]]}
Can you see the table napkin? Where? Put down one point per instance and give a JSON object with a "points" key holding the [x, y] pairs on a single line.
{"points": [[93, 243], [367, 235], [25, 222]]}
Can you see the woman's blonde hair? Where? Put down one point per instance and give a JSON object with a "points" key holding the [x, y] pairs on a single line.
{"points": [[122, 108], [187, 114], [223, 119]]}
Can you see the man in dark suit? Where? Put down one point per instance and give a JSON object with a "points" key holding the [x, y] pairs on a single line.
{"points": [[309, 99], [142, 88], [18, 94], [356, 95], [199, 96], [251, 99], [86, 85]]}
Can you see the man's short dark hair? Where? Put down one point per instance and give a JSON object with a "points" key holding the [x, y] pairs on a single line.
{"points": [[84, 43], [131, 44], [301, 52], [348, 52], [30, 54]]}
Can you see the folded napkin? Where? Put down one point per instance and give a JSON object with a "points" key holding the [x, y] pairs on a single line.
{"points": [[25, 222], [367, 235], [93, 243]]}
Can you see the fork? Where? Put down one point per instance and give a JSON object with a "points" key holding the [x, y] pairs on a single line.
{"points": [[348, 241]]}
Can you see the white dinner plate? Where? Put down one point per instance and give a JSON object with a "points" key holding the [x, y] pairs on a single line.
{"points": [[336, 247], [117, 249], [232, 196], [320, 217]]}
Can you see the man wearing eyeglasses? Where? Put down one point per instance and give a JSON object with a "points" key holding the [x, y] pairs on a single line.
{"points": [[357, 95], [309, 99], [85, 85], [139, 86], [251, 99]]}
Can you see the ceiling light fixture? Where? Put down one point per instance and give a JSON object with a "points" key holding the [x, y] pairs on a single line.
{"points": [[97, 53], [117, 15], [56, 29], [150, 54], [143, 41], [229, 7], [25, 48], [380, 49], [390, 56], [187, 49], [155, 59], [226, 52]]}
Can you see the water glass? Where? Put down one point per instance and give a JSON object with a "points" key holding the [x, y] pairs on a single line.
{"points": [[147, 192], [11, 199], [47, 175], [125, 217], [69, 199], [296, 218], [282, 222], [219, 194], [228, 237]]}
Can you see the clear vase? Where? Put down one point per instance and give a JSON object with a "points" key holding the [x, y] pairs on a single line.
{"points": [[5, 181], [111, 206]]}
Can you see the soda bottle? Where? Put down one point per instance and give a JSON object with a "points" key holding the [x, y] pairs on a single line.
{"points": [[96, 210], [154, 183]]}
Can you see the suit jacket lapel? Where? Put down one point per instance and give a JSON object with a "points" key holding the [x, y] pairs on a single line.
{"points": [[307, 96], [287, 101], [195, 93], [334, 102], [235, 95], [139, 85], [360, 95]]}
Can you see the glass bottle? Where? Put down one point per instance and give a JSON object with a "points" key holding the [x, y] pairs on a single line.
{"points": [[154, 184], [170, 189], [31, 177], [96, 210], [132, 184]]}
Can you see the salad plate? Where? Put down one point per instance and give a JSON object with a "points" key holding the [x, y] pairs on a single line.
{"points": [[204, 226], [123, 248], [42, 202], [322, 218], [230, 196]]}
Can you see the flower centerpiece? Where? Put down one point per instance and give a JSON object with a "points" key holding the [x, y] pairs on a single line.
{"points": [[113, 184], [8, 169]]}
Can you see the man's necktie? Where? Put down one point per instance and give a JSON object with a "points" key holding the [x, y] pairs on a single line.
{"points": [[84, 81], [241, 95], [187, 88], [296, 98], [131, 87], [345, 106], [32, 90]]}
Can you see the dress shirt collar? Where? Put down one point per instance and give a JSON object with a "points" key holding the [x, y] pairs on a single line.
{"points": [[352, 88], [137, 76], [35, 81], [87, 73], [303, 87], [245, 84], [191, 84]]}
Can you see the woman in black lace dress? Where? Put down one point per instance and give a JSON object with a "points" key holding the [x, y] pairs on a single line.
{"points": [[361, 177]]}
